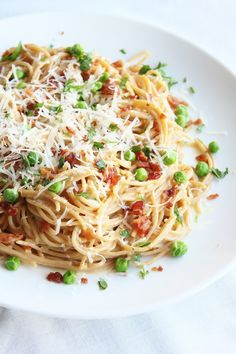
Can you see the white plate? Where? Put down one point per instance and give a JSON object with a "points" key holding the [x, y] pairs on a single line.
{"points": [[212, 246]]}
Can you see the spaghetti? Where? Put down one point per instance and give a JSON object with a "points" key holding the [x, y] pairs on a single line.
{"points": [[89, 152]]}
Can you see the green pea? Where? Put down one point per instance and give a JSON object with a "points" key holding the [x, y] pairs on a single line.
{"points": [[181, 120], [180, 177], [170, 158], [10, 195], [21, 85], [20, 74], [202, 169], [81, 105], [12, 263], [33, 158], [129, 155], [104, 76], [181, 109], [121, 264], [213, 147], [96, 86], [178, 248], [69, 277], [56, 187], [141, 174]]}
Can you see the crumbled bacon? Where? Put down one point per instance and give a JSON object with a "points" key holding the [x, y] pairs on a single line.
{"points": [[9, 209], [141, 156], [44, 226], [53, 150], [213, 196], [174, 102], [72, 159], [88, 234], [7, 238], [85, 138], [198, 121], [85, 75], [62, 152], [202, 157], [70, 130], [142, 225], [169, 194], [132, 97], [55, 277], [111, 176], [84, 280], [137, 207], [157, 269], [108, 88], [126, 108], [117, 64]]}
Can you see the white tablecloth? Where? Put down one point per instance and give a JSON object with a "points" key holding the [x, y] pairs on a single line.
{"points": [[206, 322]]}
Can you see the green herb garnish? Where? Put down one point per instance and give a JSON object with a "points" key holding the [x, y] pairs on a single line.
{"points": [[102, 284], [123, 51], [125, 233], [91, 133], [98, 145], [219, 174], [123, 83], [101, 165], [14, 55], [177, 214], [143, 273]]}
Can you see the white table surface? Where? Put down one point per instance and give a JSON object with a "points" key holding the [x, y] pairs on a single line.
{"points": [[202, 324]]}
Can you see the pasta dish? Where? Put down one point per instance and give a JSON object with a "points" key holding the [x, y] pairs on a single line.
{"points": [[92, 167]]}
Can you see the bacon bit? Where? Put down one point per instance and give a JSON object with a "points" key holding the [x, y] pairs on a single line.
{"points": [[9, 209], [155, 172], [132, 97], [137, 207], [62, 152], [17, 165], [141, 156], [142, 225], [85, 75], [72, 159], [53, 150], [70, 130], [145, 164], [89, 234], [162, 116], [117, 64], [202, 157], [47, 172], [174, 102], [84, 280], [112, 176], [213, 196], [125, 109], [189, 123], [85, 138], [169, 205], [108, 88], [44, 226], [55, 277], [7, 239], [61, 33], [198, 121], [157, 269], [168, 194], [156, 127]]}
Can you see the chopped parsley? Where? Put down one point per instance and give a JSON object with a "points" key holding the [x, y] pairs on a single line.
{"points": [[184, 80], [84, 195], [61, 162], [219, 174], [143, 244], [144, 69], [56, 109], [123, 83], [98, 145], [177, 214], [101, 165], [85, 62], [143, 273], [137, 257], [125, 233], [123, 51], [191, 90], [91, 133], [15, 54], [113, 127], [200, 128], [102, 284]]}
